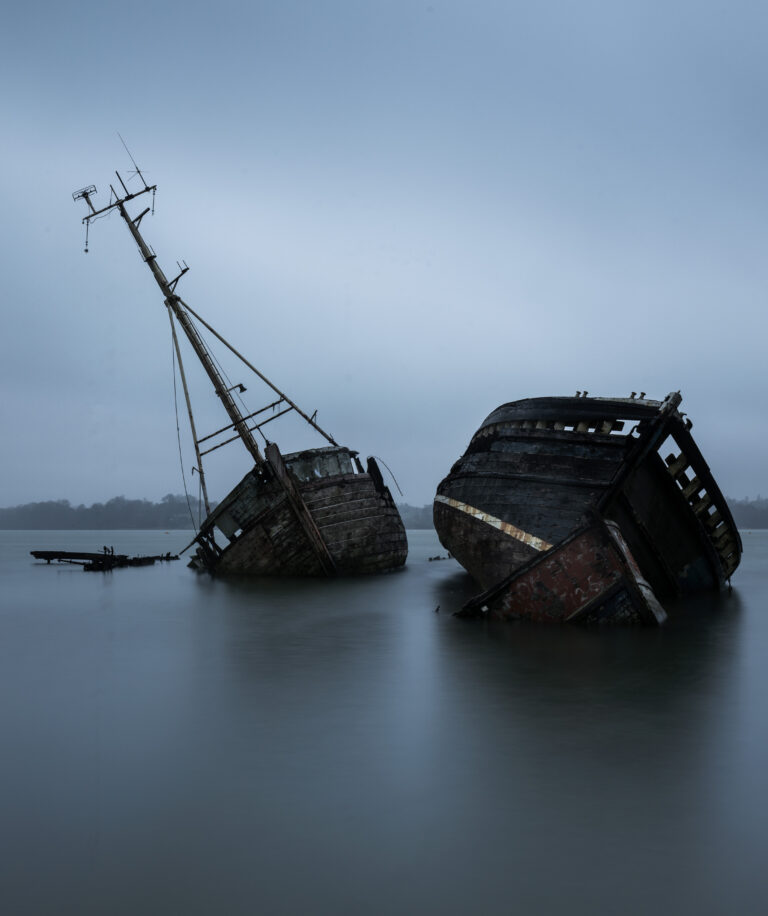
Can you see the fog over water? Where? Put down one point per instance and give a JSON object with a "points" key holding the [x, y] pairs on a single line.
{"points": [[174, 743], [404, 213]]}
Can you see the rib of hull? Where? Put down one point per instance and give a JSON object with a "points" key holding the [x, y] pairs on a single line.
{"points": [[537, 470]]}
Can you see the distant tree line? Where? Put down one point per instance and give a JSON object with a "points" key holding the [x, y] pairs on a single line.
{"points": [[750, 513], [173, 512], [416, 516]]}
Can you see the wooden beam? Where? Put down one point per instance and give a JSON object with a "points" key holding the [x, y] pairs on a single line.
{"points": [[300, 510]]}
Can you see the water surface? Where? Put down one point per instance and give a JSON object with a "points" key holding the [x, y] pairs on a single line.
{"points": [[173, 743]]}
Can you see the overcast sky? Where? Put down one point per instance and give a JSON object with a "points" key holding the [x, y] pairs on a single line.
{"points": [[405, 213]]}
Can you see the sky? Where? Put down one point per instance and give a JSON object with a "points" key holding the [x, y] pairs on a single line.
{"points": [[404, 213]]}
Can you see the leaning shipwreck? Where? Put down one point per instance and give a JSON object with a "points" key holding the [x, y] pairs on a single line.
{"points": [[314, 512], [586, 508]]}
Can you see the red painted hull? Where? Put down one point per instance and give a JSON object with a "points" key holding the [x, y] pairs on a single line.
{"points": [[590, 577]]}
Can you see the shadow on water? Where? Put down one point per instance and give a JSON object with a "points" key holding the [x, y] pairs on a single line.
{"points": [[454, 590], [699, 638], [598, 741]]}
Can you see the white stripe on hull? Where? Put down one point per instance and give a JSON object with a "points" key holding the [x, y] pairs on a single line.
{"points": [[517, 533]]}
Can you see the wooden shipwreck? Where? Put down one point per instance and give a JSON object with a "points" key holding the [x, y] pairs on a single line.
{"points": [[314, 512], [540, 480]]}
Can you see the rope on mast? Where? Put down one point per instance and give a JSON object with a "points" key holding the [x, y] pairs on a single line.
{"points": [[261, 375], [178, 431], [200, 472]]}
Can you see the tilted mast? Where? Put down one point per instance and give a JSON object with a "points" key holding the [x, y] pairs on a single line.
{"points": [[174, 303]]}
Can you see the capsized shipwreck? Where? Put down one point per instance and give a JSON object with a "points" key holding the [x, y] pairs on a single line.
{"points": [[313, 512], [584, 509]]}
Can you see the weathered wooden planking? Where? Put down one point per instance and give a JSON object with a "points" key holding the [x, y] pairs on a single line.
{"points": [[484, 551], [579, 462], [545, 512], [362, 531]]}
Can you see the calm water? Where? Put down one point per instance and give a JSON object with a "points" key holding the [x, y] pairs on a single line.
{"points": [[177, 744]]}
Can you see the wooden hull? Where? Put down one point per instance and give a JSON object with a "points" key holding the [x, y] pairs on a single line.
{"points": [[538, 469], [309, 524], [589, 577]]}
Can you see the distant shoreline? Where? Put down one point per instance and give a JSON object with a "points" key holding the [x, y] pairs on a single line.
{"points": [[119, 513], [174, 512]]}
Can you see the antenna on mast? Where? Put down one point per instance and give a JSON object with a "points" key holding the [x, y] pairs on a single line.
{"points": [[137, 171], [116, 202], [130, 155], [86, 194]]}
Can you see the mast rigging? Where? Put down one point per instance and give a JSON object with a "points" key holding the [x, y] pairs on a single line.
{"points": [[307, 513]]}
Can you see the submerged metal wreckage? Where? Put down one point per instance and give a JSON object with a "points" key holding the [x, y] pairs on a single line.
{"points": [[586, 509], [314, 512], [105, 561]]}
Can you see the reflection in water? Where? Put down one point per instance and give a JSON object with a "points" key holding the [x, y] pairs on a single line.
{"points": [[176, 743]]}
